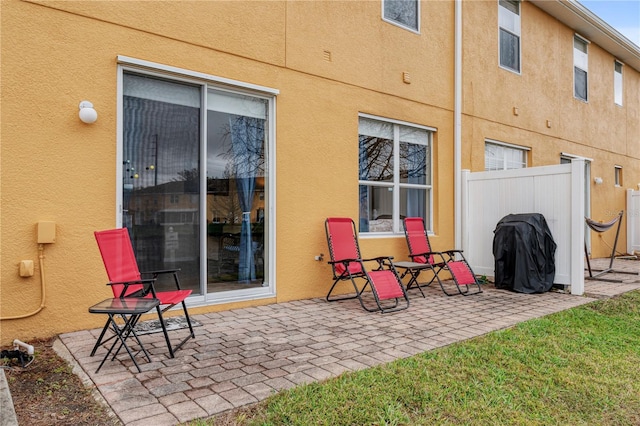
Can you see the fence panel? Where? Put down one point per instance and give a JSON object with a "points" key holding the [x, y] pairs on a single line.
{"points": [[554, 191]]}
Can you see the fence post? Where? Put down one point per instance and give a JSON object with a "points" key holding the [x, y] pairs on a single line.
{"points": [[628, 209], [577, 226]]}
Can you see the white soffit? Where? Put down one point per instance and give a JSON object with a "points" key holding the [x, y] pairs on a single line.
{"points": [[589, 25]]}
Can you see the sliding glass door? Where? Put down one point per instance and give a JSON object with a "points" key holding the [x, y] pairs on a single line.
{"points": [[236, 127], [194, 181]]}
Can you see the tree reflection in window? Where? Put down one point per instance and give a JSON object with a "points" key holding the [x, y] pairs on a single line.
{"points": [[394, 174], [404, 12]]}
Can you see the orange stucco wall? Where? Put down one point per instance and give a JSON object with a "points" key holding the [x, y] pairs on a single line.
{"points": [[55, 168], [330, 60]]}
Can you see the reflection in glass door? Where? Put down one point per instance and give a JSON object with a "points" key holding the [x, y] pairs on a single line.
{"points": [[160, 184], [236, 126], [190, 200]]}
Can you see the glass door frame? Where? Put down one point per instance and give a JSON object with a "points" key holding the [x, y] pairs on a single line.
{"points": [[206, 81]]}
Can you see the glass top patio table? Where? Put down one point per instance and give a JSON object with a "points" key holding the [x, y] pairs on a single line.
{"points": [[124, 306], [129, 309]]}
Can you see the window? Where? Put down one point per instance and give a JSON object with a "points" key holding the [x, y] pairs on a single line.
{"points": [[617, 82], [394, 174], [405, 13], [580, 68], [618, 175], [195, 167], [502, 156], [509, 30]]}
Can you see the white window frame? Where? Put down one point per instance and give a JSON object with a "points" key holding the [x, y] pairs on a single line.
{"points": [[617, 170], [206, 81], [618, 82], [400, 24], [510, 22], [507, 147], [396, 185], [581, 62]]}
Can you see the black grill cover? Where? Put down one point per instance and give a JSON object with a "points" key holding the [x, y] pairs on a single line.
{"points": [[524, 253]]}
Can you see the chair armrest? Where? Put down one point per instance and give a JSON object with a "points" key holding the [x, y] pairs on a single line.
{"points": [[427, 254], [127, 283], [378, 259], [165, 271], [161, 271], [381, 261], [139, 293], [333, 262], [452, 254]]}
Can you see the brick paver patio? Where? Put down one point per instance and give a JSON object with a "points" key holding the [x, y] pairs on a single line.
{"points": [[242, 356]]}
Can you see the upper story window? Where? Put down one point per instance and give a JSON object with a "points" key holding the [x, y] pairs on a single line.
{"points": [[509, 28], [405, 13], [502, 156], [617, 175], [394, 174], [617, 82], [580, 68]]}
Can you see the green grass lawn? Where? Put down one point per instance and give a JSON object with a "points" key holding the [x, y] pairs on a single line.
{"points": [[576, 367]]}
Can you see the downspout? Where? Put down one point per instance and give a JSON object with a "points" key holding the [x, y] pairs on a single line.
{"points": [[457, 129]]}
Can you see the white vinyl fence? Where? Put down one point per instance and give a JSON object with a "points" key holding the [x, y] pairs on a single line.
{"points": [[557, 192], [633, 221]]}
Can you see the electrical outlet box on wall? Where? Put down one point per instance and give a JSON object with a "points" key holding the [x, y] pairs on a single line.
{"points": [[46, 232], [26, 268]]}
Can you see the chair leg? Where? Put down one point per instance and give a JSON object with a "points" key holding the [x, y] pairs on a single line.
{"points": [[466, 273], [173, 349], [467, 291], [191, 333], [380, 307], [164, 331], [335, 299], [358, 295], [186, 316], [442, 287], [384, 308]]}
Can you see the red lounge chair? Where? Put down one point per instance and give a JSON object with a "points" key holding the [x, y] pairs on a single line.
{"points": [[126, 280], [450, 260], [348, 265]]}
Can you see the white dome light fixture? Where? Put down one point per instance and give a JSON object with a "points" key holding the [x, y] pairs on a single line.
{"points": [[87, 114]]}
